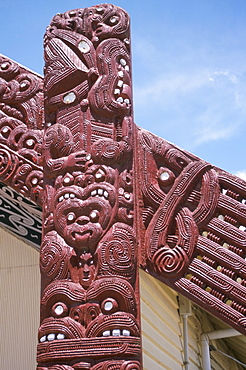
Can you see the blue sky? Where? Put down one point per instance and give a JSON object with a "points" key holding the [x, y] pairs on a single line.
{"points": [[189, 67]]}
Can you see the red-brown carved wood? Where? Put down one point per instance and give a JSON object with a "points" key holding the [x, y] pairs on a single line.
{"points": [[21, 129], [192, 223], [88, 259], [115, 197]]}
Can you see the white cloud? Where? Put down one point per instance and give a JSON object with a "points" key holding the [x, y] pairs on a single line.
{"points": [[201, 105], [241, 174], [215, 76], [214, 132], [164, 88]]}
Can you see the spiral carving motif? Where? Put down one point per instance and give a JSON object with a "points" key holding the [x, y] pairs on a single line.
{"points": [[58, 140], [106, 151], [8, 164], [54, 258], [8, 69], [170, 262], [117, 253]]}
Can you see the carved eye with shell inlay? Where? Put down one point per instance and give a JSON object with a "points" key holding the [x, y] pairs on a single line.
{"points": [[94, 215], [109, 306], [113, 20], [71, 217], [59, 309]]}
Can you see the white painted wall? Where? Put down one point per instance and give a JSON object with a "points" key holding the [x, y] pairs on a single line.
{"points": [[162, 331], [20, 296]]}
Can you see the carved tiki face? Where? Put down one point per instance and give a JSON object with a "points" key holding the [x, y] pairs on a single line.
{"points": [[84, 209], [106, 20], [83, 269]]}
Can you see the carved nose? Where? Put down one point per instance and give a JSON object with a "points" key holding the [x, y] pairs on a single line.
{"points": [[85, 313], [96, 21], [82, 220], [86, 269]]}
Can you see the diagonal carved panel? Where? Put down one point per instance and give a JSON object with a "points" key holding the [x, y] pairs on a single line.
{"points": [[21, 129], [192, 219]]}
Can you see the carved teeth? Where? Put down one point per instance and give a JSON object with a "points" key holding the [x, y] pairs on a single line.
{"points": [[123, 62], [117, 92], [120, 99], [106, 333], [120, 83], [116, 333], [100, 191], [60, 336], [243, 228], [43, 339], [121, 74], [51, 337], [66, 196], [126, 333], [127, 68]]}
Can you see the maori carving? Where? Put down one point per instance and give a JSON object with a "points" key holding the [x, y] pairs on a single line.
{"points": [[170, 213], [21, 129], [193, 228], [88, 260]]}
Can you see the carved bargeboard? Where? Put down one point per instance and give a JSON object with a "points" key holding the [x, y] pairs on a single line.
{"points": [[174, 215], [192, 228], [21, 129]]}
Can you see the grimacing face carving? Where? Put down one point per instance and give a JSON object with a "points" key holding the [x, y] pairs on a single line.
{"points": [[83, 212], [105, 21], [106, 309]]}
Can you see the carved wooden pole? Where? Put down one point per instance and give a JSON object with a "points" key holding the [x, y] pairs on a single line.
{"points": [[90, 299]]}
